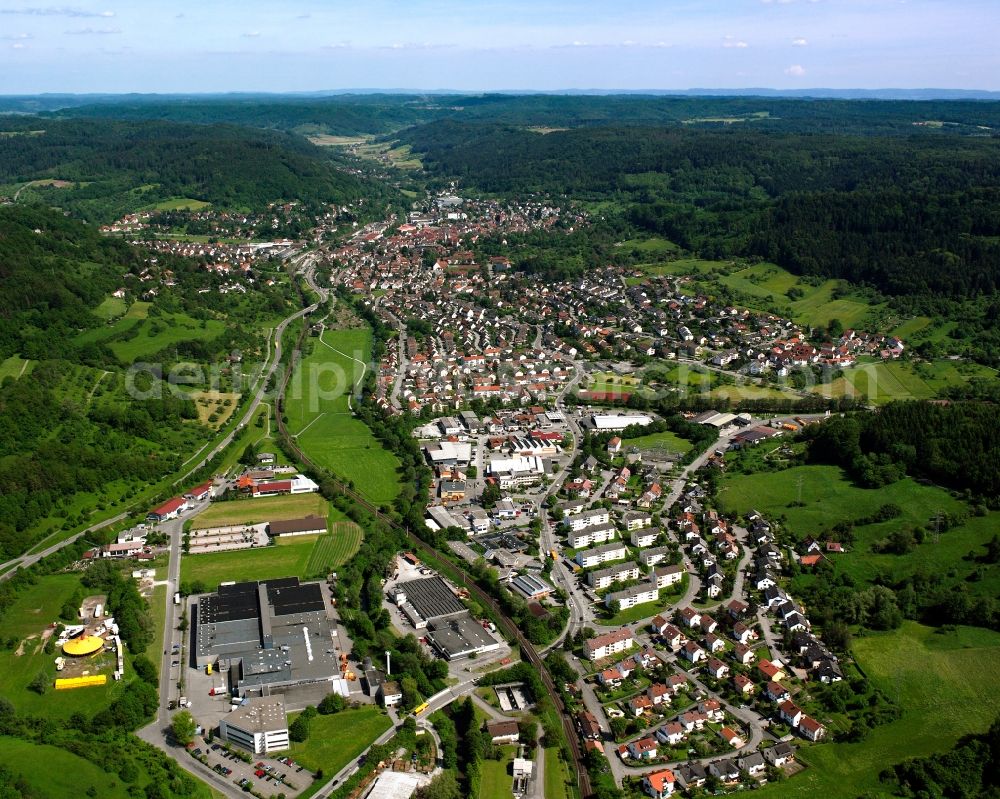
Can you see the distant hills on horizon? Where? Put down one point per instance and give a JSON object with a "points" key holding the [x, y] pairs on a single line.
{"points": [[54, 100]]}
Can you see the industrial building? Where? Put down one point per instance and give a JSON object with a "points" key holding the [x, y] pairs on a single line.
{"points": [[267, 636], [452, 632], [259, 725]]}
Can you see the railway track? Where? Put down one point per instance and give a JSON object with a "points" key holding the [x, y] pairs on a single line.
{"points": [[506, 623]]}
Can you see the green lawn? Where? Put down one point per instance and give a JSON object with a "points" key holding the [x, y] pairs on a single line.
{"points": [[496, 775], [263, 509], [290, 559], [946, 686], [317, 407], [336, 740], [556, 775], [666, 440]]}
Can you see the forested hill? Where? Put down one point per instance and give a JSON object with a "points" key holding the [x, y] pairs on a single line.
{"points": [[908, 215], [341, 115], [53, 273], [119, 166], [353, 114]]}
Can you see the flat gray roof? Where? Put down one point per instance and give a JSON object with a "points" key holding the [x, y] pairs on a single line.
{"points": [[432, 597]]}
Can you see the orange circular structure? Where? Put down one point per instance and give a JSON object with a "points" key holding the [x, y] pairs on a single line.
{"points": [[85, 645]]}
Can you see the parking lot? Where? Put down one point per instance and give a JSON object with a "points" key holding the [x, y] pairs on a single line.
{"points": [[266, 773]]}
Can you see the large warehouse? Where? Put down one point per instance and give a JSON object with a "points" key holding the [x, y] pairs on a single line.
{"points": [[268, 635], [453, 633]]}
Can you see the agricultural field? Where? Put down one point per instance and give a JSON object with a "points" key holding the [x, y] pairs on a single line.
{"points": [[337, 739], [895, 380], [317, 405], [828, 497], [330, 551], [945, 684], [263, 509]]}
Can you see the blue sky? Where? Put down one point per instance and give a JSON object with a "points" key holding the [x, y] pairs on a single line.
{"points": [[306, 45]]}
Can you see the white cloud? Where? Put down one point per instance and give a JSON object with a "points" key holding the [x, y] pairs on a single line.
{"points": [[17, 37], [732, 41], [17, 46], [94, 32], [800, 42], [796, 71], [54, 11], [251, 34]]}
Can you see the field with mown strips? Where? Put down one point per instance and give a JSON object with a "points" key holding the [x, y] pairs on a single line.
{"points": [[318, 407]]}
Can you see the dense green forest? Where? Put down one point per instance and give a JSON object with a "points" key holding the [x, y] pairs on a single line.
{"points": [[120, 166], [955, 444], [350, 114], [908, 215]]}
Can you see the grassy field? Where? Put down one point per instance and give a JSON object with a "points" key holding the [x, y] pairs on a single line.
{"points": [[317, 407], [180, 204], [556, 775], [893, 380], [828, 497], [14, 366], [336, 740], [52, 771], [158, 612], [266, 563], [295, 556], [153, 334], [336, 548], [35, 608], [111, 308], [946, 686], [263, 509], [666, 440], [214, 402], [496, 776]]}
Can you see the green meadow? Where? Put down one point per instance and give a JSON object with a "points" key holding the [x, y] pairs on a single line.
{"points": [[317, 404]]}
